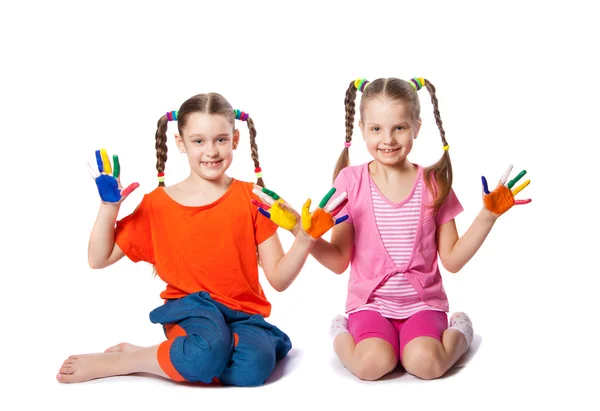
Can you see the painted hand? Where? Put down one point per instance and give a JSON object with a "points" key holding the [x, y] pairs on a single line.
{"points": [[275, 208], [107, 179], [502, 198], [323, 218]]}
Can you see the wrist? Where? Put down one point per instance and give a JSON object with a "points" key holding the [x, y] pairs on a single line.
{"points": [[487, 215], [305, 239]]}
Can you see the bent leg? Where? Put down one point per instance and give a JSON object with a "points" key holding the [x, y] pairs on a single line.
{"points": [[370, 349], [258, 346]]}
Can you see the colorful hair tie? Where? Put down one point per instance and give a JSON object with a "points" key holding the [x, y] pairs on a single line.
{"points": [[446, 147], [172, 116], [161, 177], [417, 83], [258, 172], [347, 143], [240, 115], [361, 84]]}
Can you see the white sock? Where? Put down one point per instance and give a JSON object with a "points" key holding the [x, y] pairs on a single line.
{"points": [[338, 325], [461, 322]]}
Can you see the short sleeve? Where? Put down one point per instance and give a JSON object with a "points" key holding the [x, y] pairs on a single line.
{"points": [[133, 234], [449, 209], [341, 185], [264, 228]]}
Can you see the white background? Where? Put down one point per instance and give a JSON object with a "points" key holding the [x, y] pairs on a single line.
{"points": [[516, 84]]}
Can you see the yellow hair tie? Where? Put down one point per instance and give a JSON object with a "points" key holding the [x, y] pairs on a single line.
{"points": [[446, 148], [361, 84]]}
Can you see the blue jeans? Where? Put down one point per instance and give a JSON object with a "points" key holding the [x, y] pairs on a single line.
{"points": [[238, 348]]}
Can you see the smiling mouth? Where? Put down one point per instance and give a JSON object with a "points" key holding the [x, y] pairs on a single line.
{"points": [[211, 164], [388, 150]]}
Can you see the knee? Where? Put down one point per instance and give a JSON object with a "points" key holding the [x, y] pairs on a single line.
{"points": [[200, 358], [256, 367], [424, 362], [371, 366]]}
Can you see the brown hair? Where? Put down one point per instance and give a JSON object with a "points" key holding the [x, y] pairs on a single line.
{"points": [[397, 89], [211, 103]]}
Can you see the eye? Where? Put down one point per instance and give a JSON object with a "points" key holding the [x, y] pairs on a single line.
{"points": [[198, 141], [375, 129], [400, 128], [222, 140]]}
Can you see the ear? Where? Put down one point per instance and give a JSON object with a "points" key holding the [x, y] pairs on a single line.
{"points": [[236, 138], [179, 142], [417, 128]]}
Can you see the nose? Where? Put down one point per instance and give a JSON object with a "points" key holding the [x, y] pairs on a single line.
{"points": [[211, 150], [387, 138]]}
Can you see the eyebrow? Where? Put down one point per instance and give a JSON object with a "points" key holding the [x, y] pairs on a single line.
{"points": [[401, 123], [196, 135]]}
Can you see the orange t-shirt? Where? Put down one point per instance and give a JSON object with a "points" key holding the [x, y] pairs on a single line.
{"points": [[208, 248]]}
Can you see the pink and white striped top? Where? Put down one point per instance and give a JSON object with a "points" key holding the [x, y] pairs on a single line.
{"points": [[397, 225]]}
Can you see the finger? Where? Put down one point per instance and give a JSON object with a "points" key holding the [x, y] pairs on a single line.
{"points": [[337, 201], [265, 213], [259, 204], [91, 170], [263, 196], [106, 162], [129, 189], [339, 208], [99, 161], [485, 185], [517, 178], [341, 219], [306, 206], [327, 197], [116, 167], [271, 194], [522, 186], [306, 220], [506, 174], [521, 202]]}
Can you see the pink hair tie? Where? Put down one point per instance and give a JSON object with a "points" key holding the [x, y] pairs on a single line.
{"points": [[348, 143]]}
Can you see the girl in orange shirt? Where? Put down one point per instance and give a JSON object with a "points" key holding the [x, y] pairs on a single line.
{"points": [[204, 237]]}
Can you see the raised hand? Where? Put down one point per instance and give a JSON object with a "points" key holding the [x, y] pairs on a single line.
{"points": [[323, 218], [107, 178], [502, 198], [275, 208]]}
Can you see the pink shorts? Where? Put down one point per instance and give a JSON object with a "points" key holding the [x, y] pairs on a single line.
{"points": [[371, 324]]}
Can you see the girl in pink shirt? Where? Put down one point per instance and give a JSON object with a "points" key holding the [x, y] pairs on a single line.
{"points": [[401, 217]]}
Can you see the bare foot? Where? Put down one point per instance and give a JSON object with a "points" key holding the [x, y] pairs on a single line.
{"points": [[124, 347], [121, 359]]}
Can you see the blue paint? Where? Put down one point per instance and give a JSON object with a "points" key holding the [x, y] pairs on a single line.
{"points": [[265, 213], [485, 185], [99, 161], [341, 219], [108, 187]]}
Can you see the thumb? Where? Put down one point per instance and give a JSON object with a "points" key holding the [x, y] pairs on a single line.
{"points": [[306, 215], [129, 189]]}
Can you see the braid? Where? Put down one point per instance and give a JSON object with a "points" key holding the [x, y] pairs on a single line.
{"points": [[254, 148], [442, 170], [349, 104], [436, 110], [161, 146]]}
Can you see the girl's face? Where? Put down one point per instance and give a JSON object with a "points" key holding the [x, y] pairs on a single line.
{"points": [[209, 141], [388, 130]]}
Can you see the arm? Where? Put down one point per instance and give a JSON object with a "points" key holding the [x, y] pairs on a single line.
{"points": [[335, 255], [281, 269], [455, 252], [102, 249]]}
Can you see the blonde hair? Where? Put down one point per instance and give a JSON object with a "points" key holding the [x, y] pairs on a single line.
{"points": [[400, 90], [210, 103]]}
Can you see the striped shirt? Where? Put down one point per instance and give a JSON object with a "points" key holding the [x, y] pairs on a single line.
{"points": [[397, 225]]}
